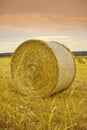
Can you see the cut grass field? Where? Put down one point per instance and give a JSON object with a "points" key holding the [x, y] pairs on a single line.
{"points": [[64, 111]]}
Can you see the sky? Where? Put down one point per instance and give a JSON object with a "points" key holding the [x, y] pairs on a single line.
{"points": [[64, 21]]}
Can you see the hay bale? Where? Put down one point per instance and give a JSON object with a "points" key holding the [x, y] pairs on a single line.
{"points": [[82, 60], [42, 68]]}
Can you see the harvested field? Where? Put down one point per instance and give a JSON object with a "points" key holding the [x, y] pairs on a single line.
{"points": [[63, 111]]}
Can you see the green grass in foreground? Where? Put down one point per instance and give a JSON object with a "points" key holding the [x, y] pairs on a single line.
{"points": [[63, 111]]}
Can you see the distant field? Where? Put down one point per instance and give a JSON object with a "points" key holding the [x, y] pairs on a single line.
{"points": [[64, 111]]}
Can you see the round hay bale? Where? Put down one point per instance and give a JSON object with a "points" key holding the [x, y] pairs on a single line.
{"points": [[42, 68], [82, 60]]}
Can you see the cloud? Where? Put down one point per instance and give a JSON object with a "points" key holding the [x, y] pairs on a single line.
{"points": [[43, 13], [52, 38], [41, 21], [73, 45], [62, 20], [76, 7]]}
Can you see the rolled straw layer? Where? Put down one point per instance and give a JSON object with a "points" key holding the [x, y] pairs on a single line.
{"points": [[42, 68]]}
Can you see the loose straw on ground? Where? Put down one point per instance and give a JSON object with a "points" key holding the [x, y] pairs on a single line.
{"points": [[42, 68]]}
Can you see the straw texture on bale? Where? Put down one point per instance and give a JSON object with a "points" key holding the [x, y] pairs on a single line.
{"points": [[42, 68]]}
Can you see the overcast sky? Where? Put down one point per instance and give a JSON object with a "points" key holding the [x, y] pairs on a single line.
{"points": [[61, 20]]}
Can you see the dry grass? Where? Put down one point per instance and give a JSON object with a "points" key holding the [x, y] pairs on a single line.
{"points": [[64, 111], [42, 68]]}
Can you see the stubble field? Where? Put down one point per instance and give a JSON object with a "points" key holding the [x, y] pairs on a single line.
{"points": [[64, 111]]}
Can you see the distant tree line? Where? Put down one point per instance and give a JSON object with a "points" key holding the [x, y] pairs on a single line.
{"points": [[76, 53], [80, 53], [6, 54]]}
